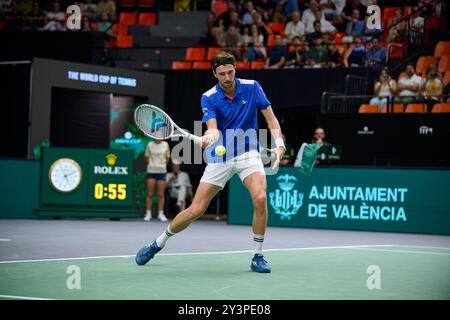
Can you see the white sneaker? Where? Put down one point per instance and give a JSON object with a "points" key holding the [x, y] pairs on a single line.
{"points": [[148, 217], [162, 217]]}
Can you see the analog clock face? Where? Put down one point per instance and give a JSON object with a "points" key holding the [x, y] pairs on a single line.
{"points": [[65, 175]]}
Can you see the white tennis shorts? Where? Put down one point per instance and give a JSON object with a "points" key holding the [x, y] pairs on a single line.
{"points": [[245, 164]]}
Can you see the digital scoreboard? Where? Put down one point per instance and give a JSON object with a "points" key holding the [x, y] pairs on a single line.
{"points": [[87, 182]]}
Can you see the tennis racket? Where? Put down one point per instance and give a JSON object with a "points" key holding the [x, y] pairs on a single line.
{"points": [[157, 124]]}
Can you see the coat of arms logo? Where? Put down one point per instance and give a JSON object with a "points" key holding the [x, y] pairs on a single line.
{"points": [[286, 202]]}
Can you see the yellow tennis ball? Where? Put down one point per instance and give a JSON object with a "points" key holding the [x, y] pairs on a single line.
{"points": [[220, 150]]}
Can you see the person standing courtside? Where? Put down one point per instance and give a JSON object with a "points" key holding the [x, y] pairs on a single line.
{"points": [[157, 155]]}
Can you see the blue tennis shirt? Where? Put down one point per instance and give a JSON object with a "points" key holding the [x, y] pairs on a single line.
{"points": [[236, 118]]}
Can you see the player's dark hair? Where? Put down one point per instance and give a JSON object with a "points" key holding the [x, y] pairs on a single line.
{"points": [[222, 58]]}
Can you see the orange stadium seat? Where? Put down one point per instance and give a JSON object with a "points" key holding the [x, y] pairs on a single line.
{"points": [[446, 78], [368, 108], [146, 3], [444, 64], [147, 18], [242, 65], [212, 52], [341, 48], [122, 29], [423, 63], [271, 40], [257, 64], [398, 108], [397, 50], [338, 37], [127, 18], [203, 65], [407, 10], [276, 27], [416, 108], [441, 107], [124, 41], [195, 54], [389, 12], [181, 65], [442, 49]]}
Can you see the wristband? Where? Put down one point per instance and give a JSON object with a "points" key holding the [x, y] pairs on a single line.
{"points": [[280, 143]]}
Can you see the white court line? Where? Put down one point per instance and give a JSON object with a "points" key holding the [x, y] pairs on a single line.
{"points": [[5, 239], [197, 253], [402, 251], [22, 298]]}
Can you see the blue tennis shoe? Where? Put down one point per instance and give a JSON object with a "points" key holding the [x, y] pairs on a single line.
{"points": [[259, 264], [147, 253]]}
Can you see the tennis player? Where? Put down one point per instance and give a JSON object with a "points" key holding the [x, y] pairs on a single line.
{"points": [[229, 108]]}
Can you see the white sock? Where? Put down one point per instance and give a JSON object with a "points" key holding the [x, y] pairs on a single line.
{"points": [[149, 212], [258, 241], [160, 212], [162, 239]]}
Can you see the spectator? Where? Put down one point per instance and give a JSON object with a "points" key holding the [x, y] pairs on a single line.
{"points": [[308, 16], [333, 56], [384, 88], [289, 153], [107, 6], [89, 9], [376, 56], [104, 25], [278, 16], [356, 55], [13, 17], [289, 6], [232, 42], [316, 56], [209, 38], [55, 19], [332, 9], [325, 26], [157, 154], [25, 6], [219, 33], [233, 21], [432, 89], [295, 58], [319, 138], [226, 16], [247, 19], [179, 185], [317, 33], [408, 86], [266, 8], [86, 24], [397, 28], [350, 6], [416, 26], [255, 45], [295, 28], [276, 55], [355, 27], [35, 20]]}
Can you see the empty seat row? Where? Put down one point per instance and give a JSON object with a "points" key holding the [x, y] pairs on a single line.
{"points": [[410, 108]]}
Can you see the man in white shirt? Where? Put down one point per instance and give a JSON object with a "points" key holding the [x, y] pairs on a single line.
{"points": [[55, 18], [295, 28], [325, 25], [332, 9], [308, 15], [179, 185], [408, 86]]}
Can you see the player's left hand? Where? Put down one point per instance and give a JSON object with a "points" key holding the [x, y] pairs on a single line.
{"points": [[279, 153]]}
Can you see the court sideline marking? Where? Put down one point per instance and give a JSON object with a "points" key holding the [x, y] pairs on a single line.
{"points": [[362, 247]]}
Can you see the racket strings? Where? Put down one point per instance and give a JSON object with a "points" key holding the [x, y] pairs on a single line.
{"points": [[153, 122]]}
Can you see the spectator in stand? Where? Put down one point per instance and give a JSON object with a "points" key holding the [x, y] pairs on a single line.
{"points": [[289, 6], [308, 16], [89, 9], [219, 33], [234, 21], [35, 20], [109, 7], [384, 88], [333, 56], [295, 58], [408, 86], [179, 185], [416, 25], [332, 9], [376, 56], [209, 38], [265, 8], [355, 27], [255, 44], [55, 19], [258, 21], [350, 6], [232, 42], [325, 26], [397, 27], [316, 56], [13, 17], [226, 16], [317, 33], [104, 25], [295, 28], [86, 24], [432, 89], [276, 55], [247, 18], [25, 6], [289, 153], [356, 55], [278, 16]]}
